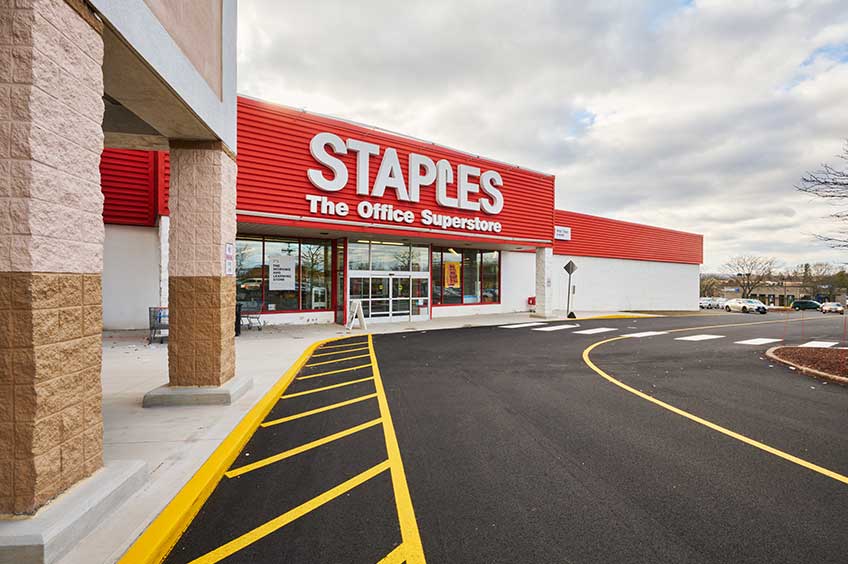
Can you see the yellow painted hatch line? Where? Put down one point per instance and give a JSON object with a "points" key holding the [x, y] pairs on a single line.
{"points": [[298, 450], [339, 371], [273, 422], [322, 363], [403, 500], [277, 523], [397, 556], [340, 352], [709, 424], [161, 535], [324, 388], [325, 347]]}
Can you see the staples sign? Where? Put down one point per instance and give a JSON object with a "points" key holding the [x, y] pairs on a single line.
{"points": [[474, 191]]}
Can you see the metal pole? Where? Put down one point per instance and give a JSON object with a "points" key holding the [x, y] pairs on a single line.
{"points": [[568, 302]]}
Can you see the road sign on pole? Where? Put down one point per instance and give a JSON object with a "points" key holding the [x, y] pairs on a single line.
{"points": [[569, 268]]}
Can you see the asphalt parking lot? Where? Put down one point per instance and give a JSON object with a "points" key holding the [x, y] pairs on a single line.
{"points": [[617, 440]]}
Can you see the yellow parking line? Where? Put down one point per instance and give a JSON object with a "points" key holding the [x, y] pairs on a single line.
{"points": [[343, 345], [403, 500], [336, 360], [162, 534], [277, 523], [709, 424], [318, 410], [298, 450], [339, 371], [397, 556], [340, 352], [316, 390]]}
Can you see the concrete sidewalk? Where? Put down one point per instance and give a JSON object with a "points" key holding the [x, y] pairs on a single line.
{"points": [[175, 441]]}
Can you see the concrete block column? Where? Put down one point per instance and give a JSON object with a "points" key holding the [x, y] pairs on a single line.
{"points": [[544, 283], [201, 295], [51, 250]]}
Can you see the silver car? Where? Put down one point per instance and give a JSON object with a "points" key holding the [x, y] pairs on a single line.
{"points": [[833, 307]]}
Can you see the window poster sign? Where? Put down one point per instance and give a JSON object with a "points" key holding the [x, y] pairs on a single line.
{"points": [[281, 272], [452, 274]]}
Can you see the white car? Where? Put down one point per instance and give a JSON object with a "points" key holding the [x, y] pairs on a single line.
{"points": [[833, 307], [705, 303], [745, 305]]}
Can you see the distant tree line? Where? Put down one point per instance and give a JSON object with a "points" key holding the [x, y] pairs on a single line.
{"points": [[749, 273]]}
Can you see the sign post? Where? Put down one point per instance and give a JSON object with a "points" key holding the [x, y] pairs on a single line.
{"points": [[569, 268]]}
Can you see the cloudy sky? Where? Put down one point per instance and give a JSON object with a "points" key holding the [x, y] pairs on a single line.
{"points": [[698, 115]]}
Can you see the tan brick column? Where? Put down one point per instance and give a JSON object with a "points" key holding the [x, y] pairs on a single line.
{"points": [[201, 296], [51, 241]]}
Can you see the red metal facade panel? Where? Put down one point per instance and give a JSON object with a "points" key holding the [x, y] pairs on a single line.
{"points": [[274, 156], [162, 162], [127, 182], [593, 236]]}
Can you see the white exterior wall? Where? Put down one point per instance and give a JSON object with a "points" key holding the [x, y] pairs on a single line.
{"points": [[297, 318], [626, 285], [130, 275]]}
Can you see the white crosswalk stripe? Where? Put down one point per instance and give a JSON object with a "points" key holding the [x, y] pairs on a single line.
{"points": [[555, 327], [819, 344], [646, 334], [595, 331], [760, 341], [703, 337], [521, 325]]}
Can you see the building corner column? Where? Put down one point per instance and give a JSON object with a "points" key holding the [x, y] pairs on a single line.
{"points": [[544, 283], [201, 277], [51, 251]]}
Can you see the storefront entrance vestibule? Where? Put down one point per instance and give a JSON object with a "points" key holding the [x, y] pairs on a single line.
{"points": [[392, 280]]}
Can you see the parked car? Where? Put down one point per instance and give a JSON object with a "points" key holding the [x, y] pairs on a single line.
{"points": [[745, 306], [832, 307], [705, 303], [798, 305]]}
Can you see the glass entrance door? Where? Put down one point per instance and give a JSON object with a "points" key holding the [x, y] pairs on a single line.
{"points": [[392, 280]]}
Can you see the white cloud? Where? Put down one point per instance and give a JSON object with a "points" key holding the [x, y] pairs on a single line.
{"points": [[698, 116]]}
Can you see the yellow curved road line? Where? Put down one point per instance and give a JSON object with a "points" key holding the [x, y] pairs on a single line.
{"points": [[701, 421]]}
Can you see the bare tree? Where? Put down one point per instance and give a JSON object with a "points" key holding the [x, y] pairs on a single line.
{"points": [[710, 286], [830, 183], [749, 271]]}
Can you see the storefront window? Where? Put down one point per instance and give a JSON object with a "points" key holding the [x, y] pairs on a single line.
{"points": [[467, 277], [491, 276], [357, 256], [249, 273], [436, 274], [281, 295], [451, 277], [390, 257], [471, 276], [275, 275], [315, 272]]}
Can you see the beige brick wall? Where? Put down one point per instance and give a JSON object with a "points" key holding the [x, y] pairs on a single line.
{"points": [[51, 240], [202, 202], [51, 110], [50, 414]]}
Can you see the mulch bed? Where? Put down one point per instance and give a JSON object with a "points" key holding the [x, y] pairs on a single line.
{"points": [[832, 361]]}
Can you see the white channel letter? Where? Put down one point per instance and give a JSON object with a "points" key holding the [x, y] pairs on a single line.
{"points": [[416, 179], [464, 187], [390, 175], [318, 148], [444, 177], [363, 151], [489, 180]]}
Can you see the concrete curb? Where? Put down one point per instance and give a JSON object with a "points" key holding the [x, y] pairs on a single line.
{"points": [[61, 524], [805, 370], [225, 394]]}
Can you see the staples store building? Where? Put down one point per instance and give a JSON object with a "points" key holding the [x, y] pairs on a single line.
{"points": [[331, 211]]}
